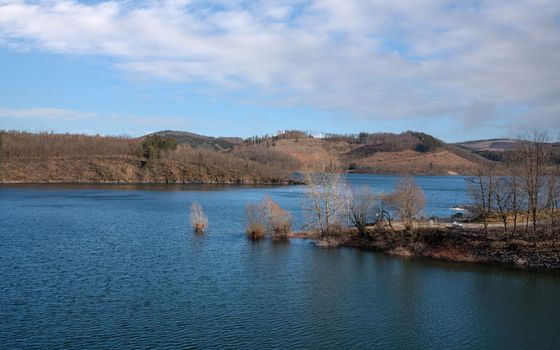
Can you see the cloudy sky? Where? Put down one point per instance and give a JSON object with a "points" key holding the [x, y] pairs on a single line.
{"points": [[456, 69]]}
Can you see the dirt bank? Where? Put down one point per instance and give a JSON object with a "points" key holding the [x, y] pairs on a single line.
{"points": [[129, 171], [469, 245]]}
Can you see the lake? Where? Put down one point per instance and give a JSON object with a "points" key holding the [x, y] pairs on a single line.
{"points": [[85, 266]]}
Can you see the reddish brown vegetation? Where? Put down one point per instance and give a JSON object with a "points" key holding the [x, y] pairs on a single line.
{"points": [[48, 157], [199, 220], [268, 218]]}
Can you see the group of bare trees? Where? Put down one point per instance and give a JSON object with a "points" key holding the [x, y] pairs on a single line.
{"points": [[36, 146], [266, 156], [330, 207], [331, 204], [524, 193], [268, 140]]}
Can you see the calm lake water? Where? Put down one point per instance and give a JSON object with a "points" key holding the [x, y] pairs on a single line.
{"points": [[118, 267]]}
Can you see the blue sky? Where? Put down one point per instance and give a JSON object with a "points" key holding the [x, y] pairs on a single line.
{"points": [[480, 70]]}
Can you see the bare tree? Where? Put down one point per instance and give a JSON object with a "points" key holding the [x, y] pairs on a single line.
{"points": [[517, 194], [409, 200], [552, 186], [481, 188], [534, 164], [502, 194], [387, 207], [362, 209], [326, 196], [199, 220]]}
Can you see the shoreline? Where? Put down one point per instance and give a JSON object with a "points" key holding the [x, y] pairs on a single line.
{"points": [[446, 243], [88, 182], [272, 182]]}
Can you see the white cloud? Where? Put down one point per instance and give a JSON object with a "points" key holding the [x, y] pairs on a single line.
{"points": [[376, 59], [44, 113]]}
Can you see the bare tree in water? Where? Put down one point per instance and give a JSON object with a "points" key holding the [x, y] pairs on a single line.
{"points": [[199, 220], [326, 196]]}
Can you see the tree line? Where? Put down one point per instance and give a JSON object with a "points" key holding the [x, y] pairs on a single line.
{"points": [[331, 206], [523, 193], [33, 146]]}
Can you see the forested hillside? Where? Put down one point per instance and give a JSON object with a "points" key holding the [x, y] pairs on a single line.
{"points": [[44, 157], [183, 157]]}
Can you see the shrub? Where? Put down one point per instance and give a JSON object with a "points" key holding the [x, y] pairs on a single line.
{"points": [[268, 218], [199, 220], [256, 221], [279, 220], [335, 230]]}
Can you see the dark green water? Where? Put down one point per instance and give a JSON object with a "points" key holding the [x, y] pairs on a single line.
{"points": [[118, 267]]}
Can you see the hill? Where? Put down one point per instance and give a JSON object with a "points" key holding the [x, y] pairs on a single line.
{"points": [[44, 157], [53, 158], [492, 145], [499, 149], [409, 152], [200, 141]]}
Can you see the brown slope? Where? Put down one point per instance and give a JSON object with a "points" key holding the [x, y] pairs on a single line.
{"points": [[496, 145], [310, 149], [44, 158], [441, 162], [375, 158]]}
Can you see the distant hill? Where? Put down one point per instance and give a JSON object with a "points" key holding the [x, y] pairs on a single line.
{"points": [[200, 141], [408, 152], [492, 145], [45, 157], [498, 149]]}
